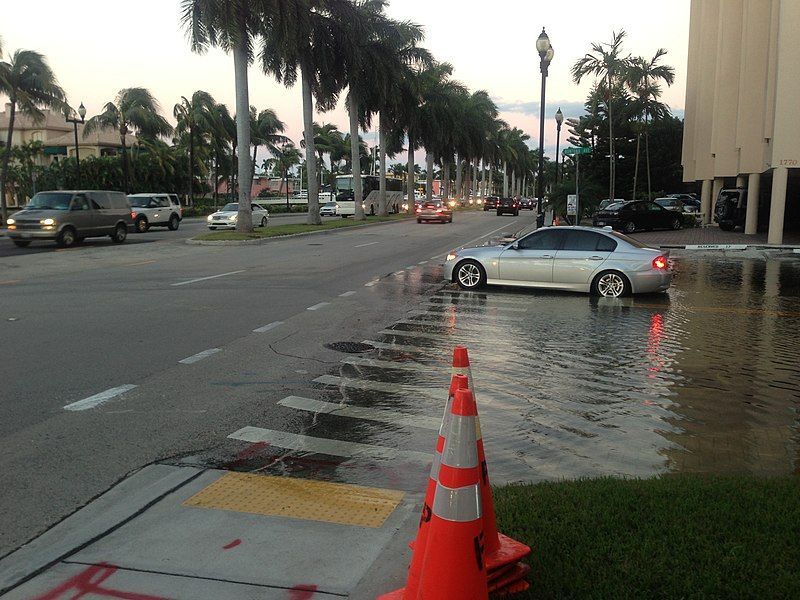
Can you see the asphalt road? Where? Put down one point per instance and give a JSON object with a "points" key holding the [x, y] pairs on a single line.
{"points": [[251, 320]]}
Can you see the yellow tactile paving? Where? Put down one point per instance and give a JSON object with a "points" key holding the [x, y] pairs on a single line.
{"points": [[299, 499]]}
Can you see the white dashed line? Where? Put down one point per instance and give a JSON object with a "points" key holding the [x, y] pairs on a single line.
{"points": [[99, 399], [199, 356], [412, 267], [347, 294], [269, 327], [423, 262], [305, 443], [396, 273], [206, 278], [318, 306], [372, 283], [365, 245]]}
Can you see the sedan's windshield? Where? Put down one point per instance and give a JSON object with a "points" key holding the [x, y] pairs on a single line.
{"points": [[614, 206], [50, 201], [140, 201], [232, 207]]}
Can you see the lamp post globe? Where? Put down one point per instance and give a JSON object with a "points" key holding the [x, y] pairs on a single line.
{"points": [[542, 44], [71, 117], [559, 121], [82, 112], [546, 52]]}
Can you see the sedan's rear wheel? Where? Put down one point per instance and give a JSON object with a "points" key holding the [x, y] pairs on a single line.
{"points": [[470, 275], [611, 284], [174, 223], [676, 223], [263, 221], [142, 225], [629, 227]]}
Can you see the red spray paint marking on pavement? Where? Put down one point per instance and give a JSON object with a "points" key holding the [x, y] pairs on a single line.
{"points": [[302, 592], [251, 450], [88, 582], [232, 544]]}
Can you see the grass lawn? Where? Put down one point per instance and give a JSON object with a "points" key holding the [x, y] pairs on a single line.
{"points": [[279, 230], [678, 536]]}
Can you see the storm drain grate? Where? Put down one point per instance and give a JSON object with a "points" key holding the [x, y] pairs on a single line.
{"points": [[349, 347]]}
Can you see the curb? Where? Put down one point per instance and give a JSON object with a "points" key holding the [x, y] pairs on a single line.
{"points": [[261, 241], [730, 247]]}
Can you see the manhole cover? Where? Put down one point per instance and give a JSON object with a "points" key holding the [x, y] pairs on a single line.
{"points": [[349, 347]]}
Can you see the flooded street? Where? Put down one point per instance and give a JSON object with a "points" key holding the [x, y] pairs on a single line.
{"points": [[703, 379]]}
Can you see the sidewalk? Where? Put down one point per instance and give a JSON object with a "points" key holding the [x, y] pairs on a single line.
{"points": [[703, 236], [205, 534]]}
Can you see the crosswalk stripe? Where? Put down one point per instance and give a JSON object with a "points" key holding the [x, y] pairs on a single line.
{"points": [[381, 386], [416, 334], [358, 361], [397, 347], [315, 445], [492, 299], [475, 306], [359, 412]]}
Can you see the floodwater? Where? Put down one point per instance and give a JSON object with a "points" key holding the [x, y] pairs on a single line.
{"points": [[705, 378]]}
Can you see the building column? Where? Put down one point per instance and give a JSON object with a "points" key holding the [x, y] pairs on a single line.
{"points": [[777, 206], [719, 183], [740, 181], [751, 218], [705, 201]]}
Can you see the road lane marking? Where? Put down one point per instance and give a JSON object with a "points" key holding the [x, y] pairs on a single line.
{"points": [[472, 307], [457, 298], [372, 283], [491, 232], [315, 445], [381, 386], [318, 306], [358, 361], [411, 268], [11, 282], [359, 412], [416, 334], [365, 245], [347, 294], [423, 262], [269, 327], [396, 273], [207, 278], [137, 264], [199, 356], [396, 347], [99, 399]]}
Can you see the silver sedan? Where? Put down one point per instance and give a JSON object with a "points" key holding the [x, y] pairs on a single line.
{"points": [[579, 259]]}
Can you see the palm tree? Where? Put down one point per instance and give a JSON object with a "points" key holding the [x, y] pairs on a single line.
{"points": [[134, 110], [607, 63], [265, 130], [30, 84], [232, 25], [642, 77], [194, 116], [283, 159]]}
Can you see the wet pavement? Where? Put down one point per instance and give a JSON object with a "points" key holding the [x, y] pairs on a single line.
{"points": [[703, 379]]}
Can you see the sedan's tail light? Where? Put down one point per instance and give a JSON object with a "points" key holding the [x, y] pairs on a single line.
{"points": [[660, 262], [133, 215]]}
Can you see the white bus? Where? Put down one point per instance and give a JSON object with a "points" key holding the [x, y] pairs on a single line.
{"points": [[370, 184]]}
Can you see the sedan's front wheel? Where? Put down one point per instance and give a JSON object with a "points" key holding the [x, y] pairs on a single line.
{"points": [[470, 275], [629, 227], [677, 223], [611, 284]]}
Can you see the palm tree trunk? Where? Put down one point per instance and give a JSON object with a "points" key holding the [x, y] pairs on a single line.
{"points": [[647, 154], [505, 179], [384, 207], [411, 176], [216, 178], [355, 157], [467, 178], [636, 167], [490, 185], [253, 167], [311, 158], [125, 166], [612, 159], [244, 221], [458, 177], [6, 160], [429, 176], [191, 165], [447, 180]]}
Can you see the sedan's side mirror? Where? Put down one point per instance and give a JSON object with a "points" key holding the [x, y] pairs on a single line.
{"points": [[515, 246]]}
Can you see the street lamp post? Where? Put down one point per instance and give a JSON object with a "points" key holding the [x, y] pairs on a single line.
{"points": [[70, 118], [559, 121], [545, 50]]}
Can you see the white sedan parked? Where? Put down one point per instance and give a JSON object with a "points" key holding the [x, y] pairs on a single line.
{"points": [[329, 209], [227, 216]]}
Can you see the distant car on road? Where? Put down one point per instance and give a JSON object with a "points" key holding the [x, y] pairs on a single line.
{"points": [[151, 210], [491, 203], [580, 259], [69, 217], [508, 206], [435, 210], [329, 209], [637, 216], [226, 217], [526, 203]]}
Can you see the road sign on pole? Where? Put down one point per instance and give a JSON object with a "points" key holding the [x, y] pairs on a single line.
{"points": [[578, 150]]}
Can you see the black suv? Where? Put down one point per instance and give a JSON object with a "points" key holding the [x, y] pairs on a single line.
{"points": [[490, 203], [731, 209], [508, 205]]}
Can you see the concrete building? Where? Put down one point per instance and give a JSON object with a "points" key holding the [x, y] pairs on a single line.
{"points": [[742, 126], [58, 138]]}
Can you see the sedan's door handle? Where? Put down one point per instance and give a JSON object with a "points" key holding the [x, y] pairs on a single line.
{"points": [[595, 258], [546, 256]]}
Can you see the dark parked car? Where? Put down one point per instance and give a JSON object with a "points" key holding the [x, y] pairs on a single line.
{"points": [[508, 206], [491, 203], [526, 203], [637, 216], [730, 209]]}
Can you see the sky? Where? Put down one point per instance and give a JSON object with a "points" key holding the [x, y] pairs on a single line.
{"points": [[97, 47]]}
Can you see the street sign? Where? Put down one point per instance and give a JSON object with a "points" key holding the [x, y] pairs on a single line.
{"points": [[572, 205], [579, 150]]}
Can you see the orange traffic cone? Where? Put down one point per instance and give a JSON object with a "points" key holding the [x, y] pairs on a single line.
{"points": [[501, 550], [453, 563]]}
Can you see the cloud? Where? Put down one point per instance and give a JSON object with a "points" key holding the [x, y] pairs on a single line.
{"points": [[570, 108]]}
